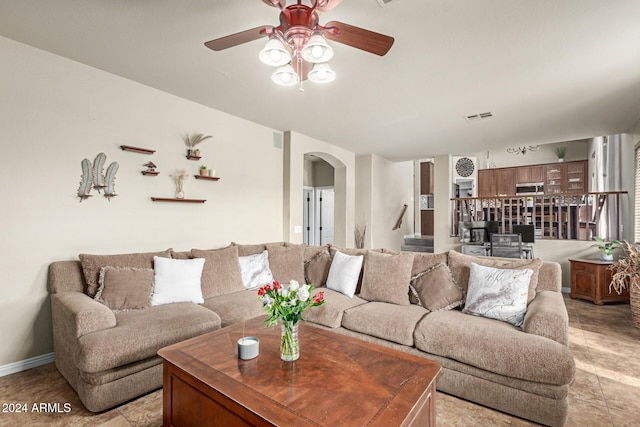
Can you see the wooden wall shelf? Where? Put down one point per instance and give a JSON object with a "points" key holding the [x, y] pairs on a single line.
{"points": [[194, 157], [165, 199], [209, 178], [137, 149], [150, 173]]}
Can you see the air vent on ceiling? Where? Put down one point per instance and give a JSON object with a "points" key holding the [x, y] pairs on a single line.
{"points": [[479, 117], [383, 3]]}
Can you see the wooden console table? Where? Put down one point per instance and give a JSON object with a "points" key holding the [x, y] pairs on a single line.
{"points": [[337, 378], [590, 280]]}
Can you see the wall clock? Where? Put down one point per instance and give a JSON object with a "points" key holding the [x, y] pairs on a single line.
{"points": [[464, 167]]}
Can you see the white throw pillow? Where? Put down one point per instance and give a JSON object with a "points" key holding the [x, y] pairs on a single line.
{"points": [[498, 293], [255, 270], [177, 280], [344, 273]]}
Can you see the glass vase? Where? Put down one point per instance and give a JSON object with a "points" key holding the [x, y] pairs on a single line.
{"points": [[289, 344]]}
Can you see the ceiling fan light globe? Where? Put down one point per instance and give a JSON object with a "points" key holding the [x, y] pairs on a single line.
{"points": [[285, 76], [317, 50], [275, 53], [322, 73]]}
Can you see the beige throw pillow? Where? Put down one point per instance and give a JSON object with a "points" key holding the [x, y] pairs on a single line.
{"points": [[92, 264], [125, 288], [459, 264], [221, 274], [316, 269], [286, 262], [435, 289], [386, 277]]}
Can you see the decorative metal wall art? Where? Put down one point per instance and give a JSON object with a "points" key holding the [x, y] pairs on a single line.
{"points": [[95, 178]]}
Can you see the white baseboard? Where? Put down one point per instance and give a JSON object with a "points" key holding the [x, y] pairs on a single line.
{"points": [[23, 365], [566, 290]]}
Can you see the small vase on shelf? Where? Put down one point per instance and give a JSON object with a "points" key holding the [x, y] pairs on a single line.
{"points": [[289, 345]]}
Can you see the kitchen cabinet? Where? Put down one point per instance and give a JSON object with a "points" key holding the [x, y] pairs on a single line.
{"points": [[426, 222], [590, 281], [487, 183], [529, 174], [426, 178], [505, 181], [554, 178], [576, 177]]}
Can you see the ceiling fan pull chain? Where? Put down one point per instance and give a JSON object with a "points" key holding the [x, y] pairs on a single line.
{"points": [[299, 59]]}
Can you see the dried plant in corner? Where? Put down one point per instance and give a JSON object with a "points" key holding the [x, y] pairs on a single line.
{"points": [[359, 233], [626, 271]]}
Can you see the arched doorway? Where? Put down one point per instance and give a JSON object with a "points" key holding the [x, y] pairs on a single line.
{"points": [[318, 201]]}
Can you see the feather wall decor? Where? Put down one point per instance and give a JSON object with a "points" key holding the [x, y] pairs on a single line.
{"points": [[86, 180], [98, 172], [110, 178]]}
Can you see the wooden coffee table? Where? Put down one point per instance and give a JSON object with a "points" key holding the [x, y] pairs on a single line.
{"points": [[338, 380]]}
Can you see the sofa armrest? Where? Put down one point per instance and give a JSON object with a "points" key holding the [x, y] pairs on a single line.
{"points": [[77, 313], [547, 317]]}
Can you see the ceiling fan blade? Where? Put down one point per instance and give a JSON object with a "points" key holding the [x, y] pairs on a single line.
{"points": [[359, 38], [238, 38], [276, 3], [325, 5]]}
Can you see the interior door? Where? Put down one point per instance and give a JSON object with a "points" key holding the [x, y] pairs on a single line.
{"points": [[325, 215]]}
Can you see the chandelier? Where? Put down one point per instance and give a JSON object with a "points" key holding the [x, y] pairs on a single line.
{"points": [[522, 150], [289, 49]]}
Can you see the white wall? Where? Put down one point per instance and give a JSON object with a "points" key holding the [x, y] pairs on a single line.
{"points": [[382, 188], [576, 150], [55, 112], [296, 146]]}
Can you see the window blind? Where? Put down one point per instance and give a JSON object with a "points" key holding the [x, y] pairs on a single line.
{"points": [[636, 210]]}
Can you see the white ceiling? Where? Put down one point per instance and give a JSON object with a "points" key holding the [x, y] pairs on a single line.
{"points": [[548, 70]]}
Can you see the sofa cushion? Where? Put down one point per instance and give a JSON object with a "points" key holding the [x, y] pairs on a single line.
{"points": [[139, 334], [125, 288], [424, 261], [386, 277], [459, 265], [494, 346], [286, 262], [255, 270], [92, 264], [316, 265], [221, 274], [330, 314], [436, 290], [344, 273], [235, 307], [177, 280], [391, 322], [499, 294], [244, 250]]}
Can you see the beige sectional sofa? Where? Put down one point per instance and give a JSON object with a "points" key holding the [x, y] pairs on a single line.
{"points": [[110, 357]]}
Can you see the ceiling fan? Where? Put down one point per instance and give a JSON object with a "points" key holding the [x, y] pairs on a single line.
{"points": [[298, 46]]}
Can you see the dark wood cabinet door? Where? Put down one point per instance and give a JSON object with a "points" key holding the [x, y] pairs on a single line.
{"points": [[426, 178], [505, 182], [536, 173], [426, 222], [487, 183]]}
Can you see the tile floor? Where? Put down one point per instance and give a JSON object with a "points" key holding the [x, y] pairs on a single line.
{"points": [[606, 391]]}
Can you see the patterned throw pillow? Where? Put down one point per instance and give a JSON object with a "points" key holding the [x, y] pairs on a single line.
{"points": [[255, 270], [498, 293]]}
